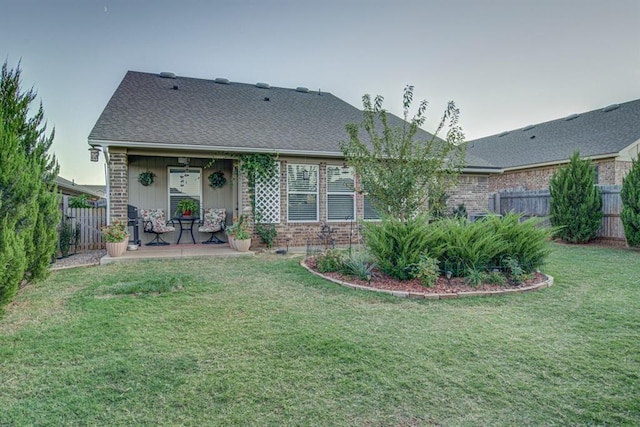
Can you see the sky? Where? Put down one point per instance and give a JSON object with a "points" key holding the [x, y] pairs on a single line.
{"points": [[506, 63]]}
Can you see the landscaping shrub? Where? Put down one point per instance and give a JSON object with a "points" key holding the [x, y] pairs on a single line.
{"points": [[427, 270], [397, 245], [358, 264], [576, 204], [329, 261], [526, 241], [472, 244], [630, 195]]}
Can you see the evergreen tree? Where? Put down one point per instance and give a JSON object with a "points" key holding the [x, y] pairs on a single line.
{"points": [[576, 204], [28, 203], [630, 195]]}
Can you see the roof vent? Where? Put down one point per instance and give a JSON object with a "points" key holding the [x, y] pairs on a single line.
{"points": [[571, 117], [175, 87], [262, 85], [528, 127], [505, 133], [266, 98], [167, 75], [610, 108], [302, 89], [222, 81]]}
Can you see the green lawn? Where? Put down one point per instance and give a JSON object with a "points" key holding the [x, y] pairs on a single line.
{"points": [[258, 341]]}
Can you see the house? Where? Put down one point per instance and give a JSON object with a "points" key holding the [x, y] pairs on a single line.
{"points": [[94, 193], [529, 156], [182, 130]]}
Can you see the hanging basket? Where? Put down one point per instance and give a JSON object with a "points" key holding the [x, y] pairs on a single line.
{"points": [[217, 179], [146, 178]]}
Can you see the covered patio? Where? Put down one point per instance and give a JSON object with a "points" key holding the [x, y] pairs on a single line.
{"points": [[173, 251]]}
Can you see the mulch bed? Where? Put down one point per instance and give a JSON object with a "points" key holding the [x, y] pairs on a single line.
{"points": [[443, 286]]}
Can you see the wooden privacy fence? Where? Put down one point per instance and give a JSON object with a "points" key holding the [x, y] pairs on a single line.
{"points": [[536, 203], [89, 221]]}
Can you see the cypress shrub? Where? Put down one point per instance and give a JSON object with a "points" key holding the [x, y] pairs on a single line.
{"points": [[397, 245], [576, 204], [630, 195]]}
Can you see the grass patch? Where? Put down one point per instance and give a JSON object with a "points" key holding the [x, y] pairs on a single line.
{"points": [[259, 341]]}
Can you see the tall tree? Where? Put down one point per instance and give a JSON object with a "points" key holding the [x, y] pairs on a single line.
{"points": [[28, 204], [576, 204], [630, 195], [398, 167]]}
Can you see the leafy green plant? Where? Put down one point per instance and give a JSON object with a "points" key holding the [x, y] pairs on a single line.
{"points": [[80, 202], [267, 233], [217, 179], [358, 264], [66, 236], [329, 261], [115, 232], [427, 270], [496, 278], [187, 206], [146, 178], [576, 204], [397, 245], [527, 241], [475, 276], [630, 195], [516, 273]]}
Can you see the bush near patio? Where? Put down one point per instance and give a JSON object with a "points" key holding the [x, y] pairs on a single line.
{"points": [[630, 195], [465, 247]]}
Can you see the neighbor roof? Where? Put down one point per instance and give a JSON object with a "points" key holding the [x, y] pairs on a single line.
{"points": [[606, 131], [146, 110], [71, 188]]}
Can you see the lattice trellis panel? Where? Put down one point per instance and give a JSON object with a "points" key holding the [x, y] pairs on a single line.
{"points": [[268, 198]]}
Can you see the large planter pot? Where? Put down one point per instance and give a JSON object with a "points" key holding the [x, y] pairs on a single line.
{"points": [[232, 241], [116, 249], [243, 245]]}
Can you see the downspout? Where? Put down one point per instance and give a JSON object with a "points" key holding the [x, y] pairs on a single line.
{"points": [[108, 184]]}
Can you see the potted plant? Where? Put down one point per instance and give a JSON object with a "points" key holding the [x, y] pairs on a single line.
{"points": [[146, 178], [231, 235], [242, 237], [116, 237], [187, 207]]}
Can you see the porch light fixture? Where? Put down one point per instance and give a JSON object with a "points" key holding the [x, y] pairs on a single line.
{"points": [[95, 154]]}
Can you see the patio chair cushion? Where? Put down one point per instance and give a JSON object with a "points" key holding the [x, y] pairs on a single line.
{"points": [[154, 221], [213, 220]]}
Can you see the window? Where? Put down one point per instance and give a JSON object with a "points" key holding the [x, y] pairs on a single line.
{"points": [[302, 190], [184, 183], [369, 211], [341, 198]]}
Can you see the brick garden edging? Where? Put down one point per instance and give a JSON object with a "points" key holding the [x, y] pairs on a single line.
{"points": [[425, 295]]}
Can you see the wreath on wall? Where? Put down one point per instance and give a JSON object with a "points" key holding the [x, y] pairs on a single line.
{"points": [[146, 178], [217, 180]]}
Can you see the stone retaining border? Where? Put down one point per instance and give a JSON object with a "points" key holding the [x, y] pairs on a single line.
{"points": [[424, 295]]}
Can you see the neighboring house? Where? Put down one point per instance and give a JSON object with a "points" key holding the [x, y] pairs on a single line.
{"points": [[184, 129], [94, 193], [528, 156]]}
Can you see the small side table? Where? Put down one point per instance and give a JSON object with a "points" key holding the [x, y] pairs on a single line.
{"points": [[186, 223]]}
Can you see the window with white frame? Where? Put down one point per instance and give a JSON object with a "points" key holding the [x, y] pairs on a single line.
{"points": [[184, 183], [302, 192], [341, 197]]}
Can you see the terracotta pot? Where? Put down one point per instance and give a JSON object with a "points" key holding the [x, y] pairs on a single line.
{"points": [[232, 241], [243, 245], [116, 249]]}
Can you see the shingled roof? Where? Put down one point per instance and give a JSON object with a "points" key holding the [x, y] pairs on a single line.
{"points": [[598, 133], [149, 110]]}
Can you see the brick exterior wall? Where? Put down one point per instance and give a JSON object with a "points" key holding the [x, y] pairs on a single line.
{"points": [[610, 172], [473, 191], [118, 185]]}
